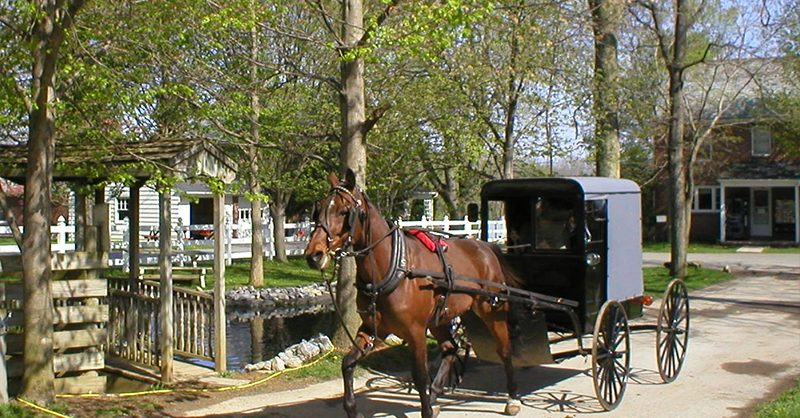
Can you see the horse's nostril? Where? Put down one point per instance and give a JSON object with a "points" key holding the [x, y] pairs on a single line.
{"points": [[314, 260]]}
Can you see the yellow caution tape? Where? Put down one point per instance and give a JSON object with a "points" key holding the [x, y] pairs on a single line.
{"points": [[41, 409]]}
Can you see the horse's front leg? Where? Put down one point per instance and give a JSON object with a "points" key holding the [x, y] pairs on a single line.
{"points": [[360, 349], [419, 371]]}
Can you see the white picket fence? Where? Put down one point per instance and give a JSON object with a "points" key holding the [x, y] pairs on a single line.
{"points": [[188, 249], [60, 231]]}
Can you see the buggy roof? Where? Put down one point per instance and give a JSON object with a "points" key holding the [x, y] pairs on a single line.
{"points": [[584, 186]]}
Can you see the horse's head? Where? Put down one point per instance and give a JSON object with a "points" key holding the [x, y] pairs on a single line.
{"points": [[337, 219]]}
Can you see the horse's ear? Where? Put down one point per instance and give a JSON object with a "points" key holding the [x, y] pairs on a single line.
{"points": [[350, 179], [333, 179]]}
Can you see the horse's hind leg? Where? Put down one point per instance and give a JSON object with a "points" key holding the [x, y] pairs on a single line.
{"points": [[448, 348], [362, 347], [496, 321]]}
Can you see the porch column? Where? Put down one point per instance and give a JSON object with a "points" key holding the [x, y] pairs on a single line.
{"points": [[723, 214], [220, 334], [165, 267], [796, 213]]}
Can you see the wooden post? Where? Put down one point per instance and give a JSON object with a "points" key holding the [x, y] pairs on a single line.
{"points": [[165, 267], [220, 334], [100, 220], [134, 221], [133, 261], [82, 219]]}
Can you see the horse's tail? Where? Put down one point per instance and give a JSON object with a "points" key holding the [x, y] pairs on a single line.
{"points": [[512, 278]]}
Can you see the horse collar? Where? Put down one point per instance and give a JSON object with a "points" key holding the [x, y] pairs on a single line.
{"points": [[397, 269]]}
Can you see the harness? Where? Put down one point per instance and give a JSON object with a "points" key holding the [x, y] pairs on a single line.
{"points": [[397, 267]]}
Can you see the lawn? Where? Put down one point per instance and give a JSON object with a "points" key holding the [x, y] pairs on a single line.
{"points": [[276, 274], [656, 279], [664, 247], [787, 405], [294, 273]]}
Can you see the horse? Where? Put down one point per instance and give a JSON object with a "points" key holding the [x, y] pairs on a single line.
{"points": [[398, 295]]}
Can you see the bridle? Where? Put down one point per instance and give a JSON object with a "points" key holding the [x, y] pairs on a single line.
{"points": [[354, 213]]}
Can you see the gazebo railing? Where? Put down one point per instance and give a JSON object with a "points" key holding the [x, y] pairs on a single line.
{"points": [[134, 327]]}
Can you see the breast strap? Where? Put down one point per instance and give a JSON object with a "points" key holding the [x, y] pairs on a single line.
{"points": [[397, 269]]}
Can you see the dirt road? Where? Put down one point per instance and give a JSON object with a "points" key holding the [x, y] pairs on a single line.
{"points": [[744, 347]]}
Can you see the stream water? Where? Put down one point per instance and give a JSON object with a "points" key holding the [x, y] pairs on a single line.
{"points": [[255, 336]]}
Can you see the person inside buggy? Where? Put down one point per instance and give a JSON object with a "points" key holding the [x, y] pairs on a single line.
{"points": [[555, 222]]}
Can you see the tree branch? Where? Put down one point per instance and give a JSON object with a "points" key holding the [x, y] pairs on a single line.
{"points": [[385, 14]]}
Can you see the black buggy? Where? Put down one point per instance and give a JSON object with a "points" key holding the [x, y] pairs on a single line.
{"points": [[576, 244]]}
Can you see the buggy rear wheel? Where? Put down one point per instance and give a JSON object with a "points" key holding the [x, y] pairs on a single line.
{"points": [[611, 354], [672, 331]]}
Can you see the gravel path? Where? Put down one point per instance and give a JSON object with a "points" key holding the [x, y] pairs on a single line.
{"points": [[744, 347]]}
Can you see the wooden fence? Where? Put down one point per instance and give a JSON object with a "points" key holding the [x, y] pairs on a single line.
{"points": [[134, 322], [79, 322]]}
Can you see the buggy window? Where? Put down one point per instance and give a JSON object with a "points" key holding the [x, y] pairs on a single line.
{"points": [[556, 224], [595, 220], [516, 214]]}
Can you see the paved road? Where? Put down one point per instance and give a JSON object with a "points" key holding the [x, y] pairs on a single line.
{"points": [[744, 347], [788, 263]]}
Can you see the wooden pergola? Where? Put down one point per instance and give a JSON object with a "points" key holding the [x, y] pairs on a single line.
{"points": [[189, 159]]}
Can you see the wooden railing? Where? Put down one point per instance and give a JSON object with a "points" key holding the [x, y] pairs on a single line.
{"points": [[134, 326], [194, 313]]}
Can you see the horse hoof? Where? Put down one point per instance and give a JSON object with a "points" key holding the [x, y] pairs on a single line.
{"points": [[513, 406], [435, 411]]}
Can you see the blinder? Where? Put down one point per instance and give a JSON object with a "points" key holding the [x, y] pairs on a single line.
{"points": [[352, 215]]}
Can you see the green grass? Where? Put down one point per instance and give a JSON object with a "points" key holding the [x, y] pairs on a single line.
{"points": [[113, 412], [15, 410], [276, 274], [7, 241], [656, 279], [328, 368], [786, 406], [664, 247], [294, 273]]}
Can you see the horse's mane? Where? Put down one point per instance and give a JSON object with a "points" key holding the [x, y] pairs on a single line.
{"points": [[512, 278]]}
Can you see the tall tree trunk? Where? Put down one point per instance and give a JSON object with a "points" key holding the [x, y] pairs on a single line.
{"points": [[605, 24], [677, 161], [277, 209], [511, 111], [257, 237], [353, 151], [450, 194], [52, 18]]}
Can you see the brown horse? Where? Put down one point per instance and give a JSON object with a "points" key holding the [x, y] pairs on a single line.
{"points": [[396, 291]]}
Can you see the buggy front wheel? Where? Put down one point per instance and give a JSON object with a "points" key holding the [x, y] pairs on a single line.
{"points": [[611, 354]]}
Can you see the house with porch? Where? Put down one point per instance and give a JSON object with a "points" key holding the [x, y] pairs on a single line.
{"points": [[747, 170], [748, 188]]}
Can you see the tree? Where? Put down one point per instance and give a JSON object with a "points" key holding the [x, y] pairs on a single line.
{"points": [[605, 24], [43, 24]]}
